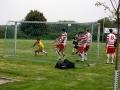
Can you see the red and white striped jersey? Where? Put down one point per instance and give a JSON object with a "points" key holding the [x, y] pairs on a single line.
{"points": [[88, 38], [111, 38], [64, 38], [82, 40]]}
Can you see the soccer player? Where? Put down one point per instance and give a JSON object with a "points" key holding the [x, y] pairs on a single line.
{"points": [[88, 40], [75, 45], [61, 44], [81, 47], [76, 40], [40, 47], [110, 48]]}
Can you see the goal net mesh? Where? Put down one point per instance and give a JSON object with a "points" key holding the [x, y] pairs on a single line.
{"points": [[20, 37]]}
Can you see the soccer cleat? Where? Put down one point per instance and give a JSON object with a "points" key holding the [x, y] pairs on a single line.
{"points": [[112, 62], [107, 62], [82, 60], [59, 58]]}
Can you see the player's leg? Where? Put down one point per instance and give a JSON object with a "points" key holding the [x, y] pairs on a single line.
{"points": [[108, 51], [63, 53], [82, 56], [76, 49], [115, 53], [57, 49], [85, 57], [62, 49], [86, 51], [108, 58], [36, 52], [58, 53], [73, 50], [81, 53], [113, 57], [43, 51]]}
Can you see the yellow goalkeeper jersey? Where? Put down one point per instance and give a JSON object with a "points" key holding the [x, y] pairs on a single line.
{"points": [[40, 45]]}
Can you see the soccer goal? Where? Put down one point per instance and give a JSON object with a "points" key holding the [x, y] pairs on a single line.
{"points": [[20, 36]]}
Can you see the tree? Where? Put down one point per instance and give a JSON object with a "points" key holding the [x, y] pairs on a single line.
{"points": [[34, 29], [2, 31], [35, 15], [115, 12]]}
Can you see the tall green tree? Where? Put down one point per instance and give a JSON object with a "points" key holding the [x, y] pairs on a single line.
{"points": [[34, 29], [35, 15]]}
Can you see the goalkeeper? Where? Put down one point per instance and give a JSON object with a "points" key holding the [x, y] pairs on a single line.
{"points": [[39, 47]]}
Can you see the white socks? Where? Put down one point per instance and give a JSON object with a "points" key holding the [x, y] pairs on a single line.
{"points": [[112, 58], [82, 57], [85, 57]]}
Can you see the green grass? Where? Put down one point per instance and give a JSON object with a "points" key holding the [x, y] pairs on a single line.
{"points": [[38, 73]]}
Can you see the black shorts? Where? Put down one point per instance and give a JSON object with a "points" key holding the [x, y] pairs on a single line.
{"points": [[76, 47]]}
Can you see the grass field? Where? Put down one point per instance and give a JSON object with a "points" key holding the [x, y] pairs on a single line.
{"points": [[38, 73]]}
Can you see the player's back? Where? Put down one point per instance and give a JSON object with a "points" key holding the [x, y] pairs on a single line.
{"points": [[64, 38], [40, 44], [82, 40], [88, 37], [111, 38]]}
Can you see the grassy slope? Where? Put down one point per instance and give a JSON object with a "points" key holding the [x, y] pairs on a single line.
{"points": [[38, 73]]}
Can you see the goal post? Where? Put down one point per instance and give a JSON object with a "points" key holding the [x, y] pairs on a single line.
{"points": [[98, 43], [19, 32], [9, 41]]}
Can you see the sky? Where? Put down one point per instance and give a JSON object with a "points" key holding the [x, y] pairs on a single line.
{"points": [[54, 10]]}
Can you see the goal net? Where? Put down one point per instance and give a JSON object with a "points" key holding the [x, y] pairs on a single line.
{"points": [[20, 37]]}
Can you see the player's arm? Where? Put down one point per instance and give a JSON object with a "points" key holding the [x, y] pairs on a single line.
{"points": [[55, 42], [79, 39], [63, 39], [34, 44], [107, 41], [115, 44]]}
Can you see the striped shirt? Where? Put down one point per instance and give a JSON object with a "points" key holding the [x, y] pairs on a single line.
{"points": [[82, 39], [88, 38], [111, 39], [64, 38]]}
